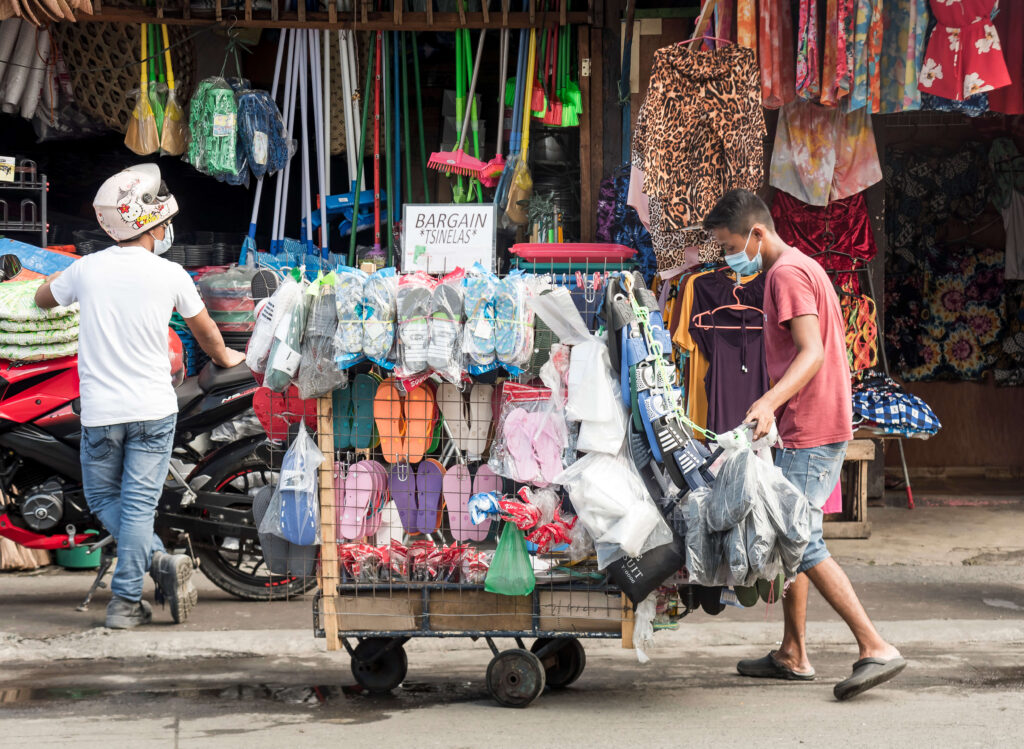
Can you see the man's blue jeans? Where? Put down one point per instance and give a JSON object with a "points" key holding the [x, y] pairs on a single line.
{"points": [[124, 467]]}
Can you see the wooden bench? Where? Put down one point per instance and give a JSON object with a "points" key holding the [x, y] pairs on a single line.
{"points": [[853, 521]]}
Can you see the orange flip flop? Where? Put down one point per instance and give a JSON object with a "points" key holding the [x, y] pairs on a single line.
{"points": [[387, 414], [419, 423]]}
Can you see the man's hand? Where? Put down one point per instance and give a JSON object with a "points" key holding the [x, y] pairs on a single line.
{"points": [[229, 358], [44, 297], [761, 413]]}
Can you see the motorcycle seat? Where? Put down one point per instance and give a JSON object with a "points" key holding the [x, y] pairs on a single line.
{"points": [[212, 377]]}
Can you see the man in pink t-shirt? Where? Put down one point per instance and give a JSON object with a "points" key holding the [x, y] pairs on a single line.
{"points": [[805, 347]]}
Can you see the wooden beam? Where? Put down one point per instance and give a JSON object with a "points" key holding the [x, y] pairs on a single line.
{"points": [[330, 570], [486, 11], [332, 11], [462, 13], [375, 22], [504, 13]]}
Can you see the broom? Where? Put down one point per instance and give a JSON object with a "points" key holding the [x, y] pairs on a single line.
{"points": [[492, 169], [172, 136], [142, 137], [457, 161]]}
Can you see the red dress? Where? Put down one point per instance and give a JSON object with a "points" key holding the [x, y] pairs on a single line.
{"points": [[963, 56]]}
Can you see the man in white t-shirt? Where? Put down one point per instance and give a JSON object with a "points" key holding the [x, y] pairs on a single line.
{"points": [[129, 408]]}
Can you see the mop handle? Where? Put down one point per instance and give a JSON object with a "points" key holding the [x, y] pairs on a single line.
{"points": [[472, 88], [273, 95], [530, 68], [501, 89], [361, 150]]}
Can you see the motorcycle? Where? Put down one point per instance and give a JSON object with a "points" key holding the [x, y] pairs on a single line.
{"points": [[208, 512]]}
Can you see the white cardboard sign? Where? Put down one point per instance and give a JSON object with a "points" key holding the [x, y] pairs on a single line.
{"points": [[440, 238]]}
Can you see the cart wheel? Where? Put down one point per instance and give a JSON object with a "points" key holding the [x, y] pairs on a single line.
{"points": [[564, 665], [379, 673], [515, 678]]}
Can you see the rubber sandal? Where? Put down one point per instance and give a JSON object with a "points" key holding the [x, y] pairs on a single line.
{"points": [[379, 293], [277, 412], [364, 392], [769, 668], [746, 595], [339, 495], [867, 674], [402, 485], [359, 494], [507, 319], [458, 488], [453, 409], [771, 590], [429, 483], [549, 442], [481, 417], [518, 435], [414, 302], [373, 517], [419, 423], [275, 549], [444, 354], [341, 406], [486, 481], [348, 340], [711, 601], [478, 338], [387, 414]]}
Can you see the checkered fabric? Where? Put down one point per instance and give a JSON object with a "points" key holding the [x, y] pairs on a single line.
{"points": [[896, 412]]}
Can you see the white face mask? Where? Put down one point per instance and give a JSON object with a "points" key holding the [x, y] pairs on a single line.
{"points": [[160, 246]]}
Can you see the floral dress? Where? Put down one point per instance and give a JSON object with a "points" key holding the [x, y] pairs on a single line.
{"points": [[963, 57]]}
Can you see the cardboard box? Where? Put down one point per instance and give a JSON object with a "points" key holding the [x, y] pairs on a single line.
{"points": [[580, 611]]}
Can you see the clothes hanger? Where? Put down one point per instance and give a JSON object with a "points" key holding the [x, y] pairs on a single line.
{"points": [[701, 25], [698, 322]]}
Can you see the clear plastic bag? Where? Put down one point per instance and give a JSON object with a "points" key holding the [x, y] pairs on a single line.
{"points": [[735, 544], [510, 572], [531, 437], [703, 546], [413, 303], [285, 352], [261, 133], [213, 122], [479, 287], [790, 515], [348, 292], [594, 397], [275, 309], [762, 555], [612, 504], [513, 322], [227, 295], [738, 485], [294, 512], [379, 310], [444, 354], [318, 374]]}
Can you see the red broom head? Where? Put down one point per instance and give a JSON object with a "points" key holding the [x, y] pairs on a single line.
{"points": [[455, 162]]}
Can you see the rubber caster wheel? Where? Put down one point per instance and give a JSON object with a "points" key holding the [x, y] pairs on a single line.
{"points": [[711, 601], [515, 678], [381, 673], [563, 665]]}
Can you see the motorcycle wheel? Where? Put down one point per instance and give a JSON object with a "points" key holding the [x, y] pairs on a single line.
{"points": [[235, 566]]}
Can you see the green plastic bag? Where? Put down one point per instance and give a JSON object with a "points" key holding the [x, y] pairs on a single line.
{"points": [[510, 573]]}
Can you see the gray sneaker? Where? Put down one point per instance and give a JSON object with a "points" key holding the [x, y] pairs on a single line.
{"points": [[125, 614], [172, 574]]}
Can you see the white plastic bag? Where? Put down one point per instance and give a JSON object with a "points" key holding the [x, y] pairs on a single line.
{"points": [[277, 308]]}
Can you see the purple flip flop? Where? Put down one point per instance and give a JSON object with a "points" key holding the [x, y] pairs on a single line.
{"points": [[403, 494], [429, 481]]}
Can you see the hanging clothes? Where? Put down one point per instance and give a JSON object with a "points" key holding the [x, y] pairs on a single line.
{"points": [[738, 372], [778, 72], [746, 23], [823, 154], [842, 225], [834, 71], [699, 132], [697, 369], [903, 41], [964, 56], [1009, 24], [808, 75]]}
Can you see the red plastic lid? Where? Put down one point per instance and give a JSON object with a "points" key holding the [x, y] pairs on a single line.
{"points": [[568, 252]]}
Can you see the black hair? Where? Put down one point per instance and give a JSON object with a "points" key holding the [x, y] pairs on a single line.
{"points": [[737, 211]]}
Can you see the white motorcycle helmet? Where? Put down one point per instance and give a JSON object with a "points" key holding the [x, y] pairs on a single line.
{"points": [[133, 202]]}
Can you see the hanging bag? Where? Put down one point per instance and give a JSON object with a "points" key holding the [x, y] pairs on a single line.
{"points": [[510, 573]]}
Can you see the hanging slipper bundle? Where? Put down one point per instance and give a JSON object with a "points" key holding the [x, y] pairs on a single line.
{"points": [[213, 124], [143, 136], [262, 133], [173, 135]]}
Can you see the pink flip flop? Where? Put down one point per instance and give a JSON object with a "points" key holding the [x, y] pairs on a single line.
{"points": [[359, 491], [485, 481], [458, 488], [372, 519], [518, 430], [548, 446], [481, 417]]}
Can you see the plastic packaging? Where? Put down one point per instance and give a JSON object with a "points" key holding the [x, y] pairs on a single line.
{"points": [[531, 437], [513, 322], [379, 309], [479, 287], [510, 572], [213, 123], [285, 352], [643, 627], [790, 515], [261, 133], [227, 295], [737, 486], [444, 354], [703, 546], [612, 503], [348, 292], [294, 512], [762, 555], [318, 374], [414, 302], [277, 308]]}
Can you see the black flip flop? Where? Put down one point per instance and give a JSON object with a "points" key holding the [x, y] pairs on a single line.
{"points": [[868, 673], [769, 668]]}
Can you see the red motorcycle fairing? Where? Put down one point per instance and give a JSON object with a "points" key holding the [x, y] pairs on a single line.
{"points": [[32, 540], [39, 399]]}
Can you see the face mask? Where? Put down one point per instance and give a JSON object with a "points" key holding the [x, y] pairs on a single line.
{"points": [[742, 264], [160, 246]]}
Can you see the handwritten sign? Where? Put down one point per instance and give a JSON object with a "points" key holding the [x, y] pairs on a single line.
{"points": [[441, 238]]}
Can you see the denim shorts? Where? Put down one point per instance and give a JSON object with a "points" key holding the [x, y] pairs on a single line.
{"points": [[815, 472]]}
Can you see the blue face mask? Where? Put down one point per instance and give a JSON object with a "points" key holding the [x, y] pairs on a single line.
{"points": [[743, 265]]}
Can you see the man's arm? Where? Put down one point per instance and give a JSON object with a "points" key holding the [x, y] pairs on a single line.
{"points": [[809, 357], [44, 296], [210, 340]]}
